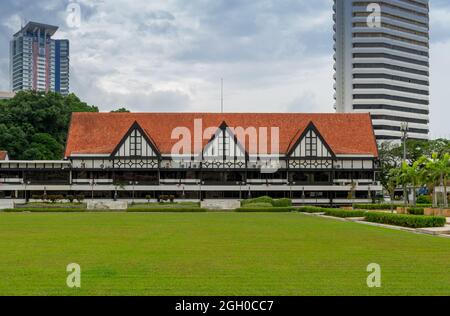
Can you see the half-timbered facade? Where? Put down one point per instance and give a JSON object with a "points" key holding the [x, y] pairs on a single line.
{"points": [[311, 158]]}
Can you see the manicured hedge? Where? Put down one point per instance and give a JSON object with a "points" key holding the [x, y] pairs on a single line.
{"points": [[344, 213], [266, 209], [311, 209], [45, 210], [262, 199], [424, 199], [167, 210], [424, 205], [372, 207], [267, 200], [412, 221], [282, 203], [416, 211]]}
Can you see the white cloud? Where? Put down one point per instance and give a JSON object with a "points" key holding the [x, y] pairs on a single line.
{"points": [[275, 55]]}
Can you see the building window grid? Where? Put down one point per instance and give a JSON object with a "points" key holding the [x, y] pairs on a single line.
{"points": [[135, 144], [311, 144]]}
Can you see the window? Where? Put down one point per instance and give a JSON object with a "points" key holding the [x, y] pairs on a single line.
{"points": [[135, 144], [311, 144]]}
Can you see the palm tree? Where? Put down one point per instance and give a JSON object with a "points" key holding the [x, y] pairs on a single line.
{"points": [[414, 176], [444, 166], [404, 179], [436, 173], [393, 181]]}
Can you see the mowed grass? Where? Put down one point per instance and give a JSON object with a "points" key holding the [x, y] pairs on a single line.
{"points": [[214, 254]]}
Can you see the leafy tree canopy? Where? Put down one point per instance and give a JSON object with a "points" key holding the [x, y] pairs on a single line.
{"points": [[391, 154], [121, 110], [34, 125]]}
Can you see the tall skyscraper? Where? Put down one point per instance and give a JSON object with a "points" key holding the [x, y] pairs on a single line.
{"points": [[38, 62], [382, 64]]}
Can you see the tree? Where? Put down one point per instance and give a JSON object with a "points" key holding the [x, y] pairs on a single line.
{"points": [[392, 183], [411, 176], [436, 173], [121, 110], [34, 125]]}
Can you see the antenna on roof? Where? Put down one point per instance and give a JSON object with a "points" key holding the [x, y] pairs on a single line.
{"points": [[221, 95]]}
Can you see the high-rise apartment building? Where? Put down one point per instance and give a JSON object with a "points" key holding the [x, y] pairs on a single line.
{"points": [[38, 62], [382, 64]]}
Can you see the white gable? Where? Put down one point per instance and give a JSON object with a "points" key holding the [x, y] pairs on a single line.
{"points": [[135, 146], [311, 146], [223, 144]]}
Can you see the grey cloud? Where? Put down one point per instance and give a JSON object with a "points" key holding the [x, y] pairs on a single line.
{"points": [[275, 55]]}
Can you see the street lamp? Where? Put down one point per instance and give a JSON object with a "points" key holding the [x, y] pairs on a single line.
{"points": [[240, 183], [133, 183], [26, 195], [92, 189], [291, 183], [404, 129], [200, 183]]}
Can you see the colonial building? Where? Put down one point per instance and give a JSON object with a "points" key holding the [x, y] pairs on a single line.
{"points": [[312, 158]]}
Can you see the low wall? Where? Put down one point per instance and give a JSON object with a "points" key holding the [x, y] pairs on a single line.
{"points": [[107, 205], [6, 204], [402, 210], [437, 212], [221, 204]]}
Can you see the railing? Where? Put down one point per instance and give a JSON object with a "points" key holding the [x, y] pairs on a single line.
{"points": [[89, 181], [357, 182], [267, 181], [11, 180], [180, 181]]}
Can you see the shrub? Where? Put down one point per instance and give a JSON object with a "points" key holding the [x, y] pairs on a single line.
{"points": [[71, 198], [37, 197], [262, 199], [257, 205], [167, 210], [148, 198], [412, 221], [266, 209], [424, 205], [344, 213], [54, 198], [416, 210], [311, 209], [80, 198], [268, 201], [372, 207], [282, 203], [424, 199]]}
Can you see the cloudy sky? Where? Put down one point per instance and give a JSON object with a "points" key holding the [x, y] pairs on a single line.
{"points": [[169, 55]]}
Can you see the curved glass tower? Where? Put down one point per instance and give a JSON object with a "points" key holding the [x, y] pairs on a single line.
{"points": [[382, 64]]}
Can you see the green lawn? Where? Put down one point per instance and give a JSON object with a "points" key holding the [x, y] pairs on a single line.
{"points": [[214, 254]]}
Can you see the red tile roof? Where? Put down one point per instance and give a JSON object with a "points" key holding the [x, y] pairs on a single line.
{"points": [[100, 133], [3, 155]]}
